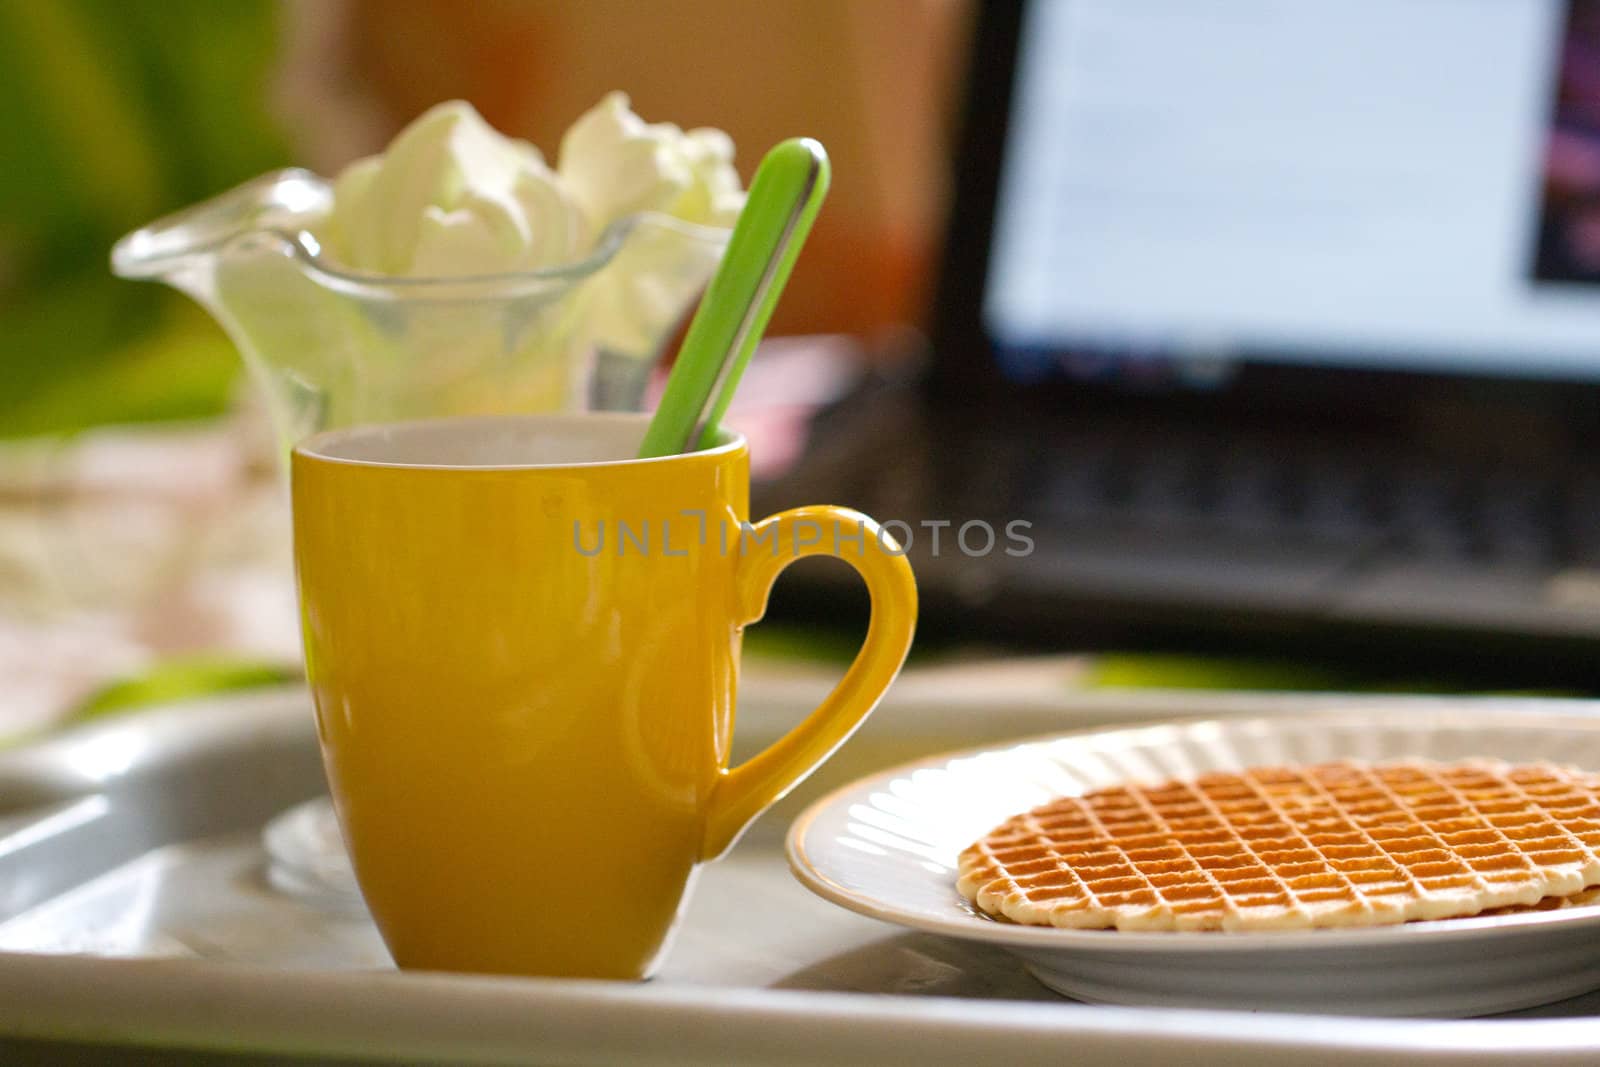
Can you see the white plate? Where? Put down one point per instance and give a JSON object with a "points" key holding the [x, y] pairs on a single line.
{"points": [[887, 845]]}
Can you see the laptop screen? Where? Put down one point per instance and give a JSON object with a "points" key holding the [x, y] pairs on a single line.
{"points": [[1389, 184]]}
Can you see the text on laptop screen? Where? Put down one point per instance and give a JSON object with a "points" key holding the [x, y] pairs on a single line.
{"points": [[1404, 184]]}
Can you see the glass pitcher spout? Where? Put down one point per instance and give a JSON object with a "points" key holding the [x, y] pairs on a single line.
{"points": [[269, 205], [332, 347]]}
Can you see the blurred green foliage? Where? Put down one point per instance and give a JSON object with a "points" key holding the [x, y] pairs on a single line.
{"points": [[181, 679], [117, 112]]}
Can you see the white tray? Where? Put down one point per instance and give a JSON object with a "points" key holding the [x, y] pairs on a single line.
{"points": [[134, 910]]}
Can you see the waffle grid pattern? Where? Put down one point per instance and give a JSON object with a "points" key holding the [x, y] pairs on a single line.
{"points": [[1336, 844]]}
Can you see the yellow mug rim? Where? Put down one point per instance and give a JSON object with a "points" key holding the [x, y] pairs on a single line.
{"points": [[314, 448]]}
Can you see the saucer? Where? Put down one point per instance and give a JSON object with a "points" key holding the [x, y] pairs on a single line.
{"points": [[886, 847], [307, 858]]}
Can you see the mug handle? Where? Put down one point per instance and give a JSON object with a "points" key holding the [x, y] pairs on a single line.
{"points": [[743, 792]]}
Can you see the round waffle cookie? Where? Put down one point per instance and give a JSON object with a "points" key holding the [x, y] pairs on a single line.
{"points": [[1335, 844]]}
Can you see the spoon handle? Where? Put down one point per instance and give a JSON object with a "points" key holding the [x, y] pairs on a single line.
{"points": [[779, 209]]}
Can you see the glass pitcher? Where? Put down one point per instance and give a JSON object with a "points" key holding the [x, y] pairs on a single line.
{"points": [[332, 348]]}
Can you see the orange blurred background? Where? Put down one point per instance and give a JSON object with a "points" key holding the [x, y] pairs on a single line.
{"points": [[872, 81]]}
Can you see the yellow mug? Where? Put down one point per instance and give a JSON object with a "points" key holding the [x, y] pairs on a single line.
{"points": [[523, 646]]}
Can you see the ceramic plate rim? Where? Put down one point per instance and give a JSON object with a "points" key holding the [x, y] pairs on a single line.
{"points": [[973, 927]]}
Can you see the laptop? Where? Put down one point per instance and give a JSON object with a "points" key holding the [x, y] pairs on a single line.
{"points": [[1259, 323]]}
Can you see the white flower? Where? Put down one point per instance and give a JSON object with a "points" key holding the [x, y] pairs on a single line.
{"points": [[615, 164], [451, 196]]}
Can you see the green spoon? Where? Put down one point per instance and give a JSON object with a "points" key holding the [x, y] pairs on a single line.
{"points": [[781, 205]]}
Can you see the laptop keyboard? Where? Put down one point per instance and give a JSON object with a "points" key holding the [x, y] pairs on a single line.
{"points": [[1187, 525], [1410, 507]]}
